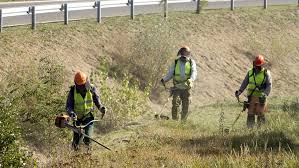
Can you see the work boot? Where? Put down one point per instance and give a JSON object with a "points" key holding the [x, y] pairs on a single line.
{"points": [[75, 146], [261, 120], [164, 117], [250, 121], [88, 148]]}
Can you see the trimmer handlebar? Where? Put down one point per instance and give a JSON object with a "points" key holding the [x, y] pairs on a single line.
{"points": [[79, 131], [83, 126], [62, 121]]}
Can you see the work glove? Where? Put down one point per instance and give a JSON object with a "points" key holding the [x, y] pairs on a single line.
{"points": [[262, 99], [73, 115], [103, 111], [238, 93], [190, 83], [163, 82]]}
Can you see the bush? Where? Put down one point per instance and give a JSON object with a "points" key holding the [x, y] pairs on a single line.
{"points": [[34, 97], [10, 153], [123, 100], [147, 57]]}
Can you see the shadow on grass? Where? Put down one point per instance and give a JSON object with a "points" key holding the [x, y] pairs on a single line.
{"points": [[266, 140], [105, 127], [255, 142]]}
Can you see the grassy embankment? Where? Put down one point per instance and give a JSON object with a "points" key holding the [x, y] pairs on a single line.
{"points": [[202, 142], [37, 67]]}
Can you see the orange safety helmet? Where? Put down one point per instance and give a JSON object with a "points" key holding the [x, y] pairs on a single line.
{"points": [[259, 60], [184, 49], [80, 78]]}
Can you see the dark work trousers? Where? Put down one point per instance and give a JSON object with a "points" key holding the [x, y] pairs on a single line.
{"points": [[77, 139], [180, 96]]}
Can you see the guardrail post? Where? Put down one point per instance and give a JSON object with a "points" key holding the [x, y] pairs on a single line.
{"points": [[33, 18], [1, 20], [132, 9], [165, 8], [99, 12], [265, 4], [232, 5], [66, 14], [198, 7]]}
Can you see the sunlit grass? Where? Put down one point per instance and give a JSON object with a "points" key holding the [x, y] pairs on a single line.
{"points": [[175, 144]]}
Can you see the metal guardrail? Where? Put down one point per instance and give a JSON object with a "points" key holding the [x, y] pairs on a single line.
{"points": [[76, 6], [98, 5]]}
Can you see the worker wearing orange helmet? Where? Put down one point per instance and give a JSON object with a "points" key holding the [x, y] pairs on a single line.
{"points": [[259, 84], [81, 100], [183, 72]]}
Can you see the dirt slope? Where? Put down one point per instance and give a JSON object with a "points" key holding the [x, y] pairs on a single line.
{"points": [[222, 42]]}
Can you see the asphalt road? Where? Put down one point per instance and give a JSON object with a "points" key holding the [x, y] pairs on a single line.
{"points": [[124, 11]]}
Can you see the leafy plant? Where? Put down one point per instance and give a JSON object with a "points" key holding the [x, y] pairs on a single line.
{"points": [[32, 99], [11, 154], [123, 100]]}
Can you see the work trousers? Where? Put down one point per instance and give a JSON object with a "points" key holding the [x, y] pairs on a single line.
{"points": [[256, 108], [88, 130], [180, 96]]}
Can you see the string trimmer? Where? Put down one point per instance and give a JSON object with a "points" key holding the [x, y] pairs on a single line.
{"points": [[245, 106], [62, 121], [160, 115]]}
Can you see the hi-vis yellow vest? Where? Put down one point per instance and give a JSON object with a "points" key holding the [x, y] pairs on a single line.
{"points": [[83, 106], [256, 80], [177, 73]]}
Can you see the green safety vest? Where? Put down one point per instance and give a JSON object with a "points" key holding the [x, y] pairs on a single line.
{"points": [[178, 81], [256, 80], [83, 106]]}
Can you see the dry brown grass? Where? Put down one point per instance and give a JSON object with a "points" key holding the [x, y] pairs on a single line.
{"points": [[222, 42]]}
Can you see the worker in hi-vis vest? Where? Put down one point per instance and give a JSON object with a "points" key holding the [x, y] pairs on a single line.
{"points": [[82, 99], [183, 72], [259, 84]]}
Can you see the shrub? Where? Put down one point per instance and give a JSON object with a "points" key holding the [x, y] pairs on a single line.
{"points": [[10, 153], [34, 96], [123, 100], [146, 56]]}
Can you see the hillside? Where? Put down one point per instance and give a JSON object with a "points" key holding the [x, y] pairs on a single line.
{"points": [[221, 42], [37, 67]]}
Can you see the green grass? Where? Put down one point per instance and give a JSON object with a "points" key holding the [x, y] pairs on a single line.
{"points": [[201, 144]]}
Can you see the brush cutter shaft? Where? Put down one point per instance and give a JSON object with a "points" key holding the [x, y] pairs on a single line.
{"points": [[80, 132], [238, 98], [237, 118], [245, 106], [62, 121]]}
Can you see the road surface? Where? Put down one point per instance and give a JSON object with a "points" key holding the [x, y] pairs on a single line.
{"points": [[123, 11]]}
